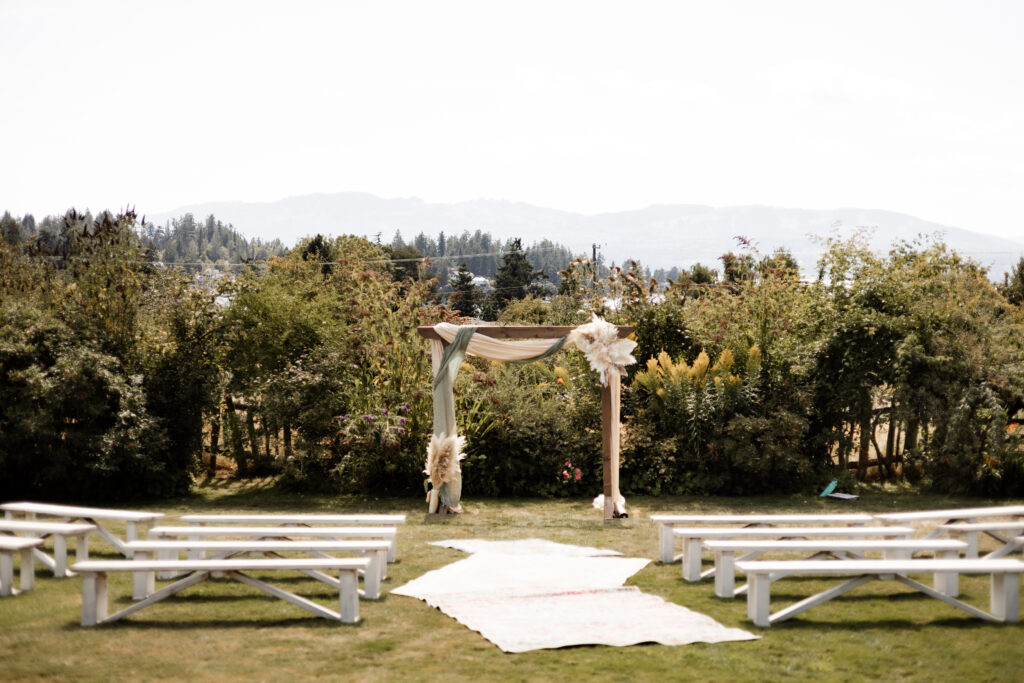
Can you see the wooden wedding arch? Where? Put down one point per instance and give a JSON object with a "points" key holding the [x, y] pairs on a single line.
{"points": [[610, 411]]}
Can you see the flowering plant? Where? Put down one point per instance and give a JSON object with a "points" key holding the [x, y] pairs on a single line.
{"points": [[570, 473], [599, 341]]}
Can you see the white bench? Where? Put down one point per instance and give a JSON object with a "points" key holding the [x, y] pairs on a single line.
{"points": [[9, 545], [94, 582], [666, 545], [891, 549], [970, 531], [60, 531], [693, 539], [303, 520], [375, 550], [196, 533], [1004, 595], [135, 522], [950, 516]]}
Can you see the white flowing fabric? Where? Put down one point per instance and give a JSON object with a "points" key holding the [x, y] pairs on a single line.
{"points": [[494, 349]]}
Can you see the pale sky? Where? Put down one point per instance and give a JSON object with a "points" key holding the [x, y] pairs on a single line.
{"points": [[583, 106]]}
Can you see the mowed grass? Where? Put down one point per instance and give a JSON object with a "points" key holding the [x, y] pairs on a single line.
{"points": [[222, 630]]}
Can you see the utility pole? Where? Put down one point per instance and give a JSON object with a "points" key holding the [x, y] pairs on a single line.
{"points": [[593, 264]]}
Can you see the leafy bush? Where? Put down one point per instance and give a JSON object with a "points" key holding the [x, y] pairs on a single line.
{"points": [[75, 425], [524, 422], [706, 428]]}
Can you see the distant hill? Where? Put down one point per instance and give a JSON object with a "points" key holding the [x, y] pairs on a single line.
{"points": [[660, 236]]}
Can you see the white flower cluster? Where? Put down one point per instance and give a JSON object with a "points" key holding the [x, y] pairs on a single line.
{"points": [[599, 341]]}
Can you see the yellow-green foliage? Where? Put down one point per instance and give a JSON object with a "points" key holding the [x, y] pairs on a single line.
{"points": [[664, 376]]}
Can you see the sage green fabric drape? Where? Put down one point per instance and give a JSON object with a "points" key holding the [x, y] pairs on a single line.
{"points": [[450, 492]]}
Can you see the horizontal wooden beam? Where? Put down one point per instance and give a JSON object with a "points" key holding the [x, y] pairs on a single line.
{"points": [[520, 331]]}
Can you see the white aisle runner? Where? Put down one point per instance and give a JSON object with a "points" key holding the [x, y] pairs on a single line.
{"points": [[524, 602]]}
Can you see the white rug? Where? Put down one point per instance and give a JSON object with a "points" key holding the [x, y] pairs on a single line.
{"points": [[606, 616], [524, 546], [524, 602], [493, 573]]}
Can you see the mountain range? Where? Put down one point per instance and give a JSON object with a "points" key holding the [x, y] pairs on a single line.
{"points": [[659, 236]]}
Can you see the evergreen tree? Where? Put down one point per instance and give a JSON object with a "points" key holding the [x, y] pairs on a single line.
{"points": [[466, 298], [1013, 289], [406, 262], [10, 230], [514, 277]]}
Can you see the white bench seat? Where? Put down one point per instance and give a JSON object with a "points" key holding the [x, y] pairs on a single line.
{"points": [[693, 539], [952, 515], [9, 546], [666, 522], [135, 521], [1004, 595], [300, 519], [891, 549], [60, 531], [375, 550], [388, 533], [94, 582], [1004, 532]]}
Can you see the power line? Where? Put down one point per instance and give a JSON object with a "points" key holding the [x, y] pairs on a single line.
{"points": [[432, 259]]}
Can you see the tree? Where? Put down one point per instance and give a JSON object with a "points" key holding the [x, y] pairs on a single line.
{"points": [[10, 230], [466, 297], [1013, 286], [780, 263], [514, 277], [406, 262], [737, 267]]}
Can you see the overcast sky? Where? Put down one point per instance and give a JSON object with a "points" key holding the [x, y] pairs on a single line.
{"points": [[584, 106]]}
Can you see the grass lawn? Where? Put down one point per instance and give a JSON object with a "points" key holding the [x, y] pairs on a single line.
{"points": [[223, 630]]}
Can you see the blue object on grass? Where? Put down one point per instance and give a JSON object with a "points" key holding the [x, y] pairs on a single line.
{"points": [[830, 488]]}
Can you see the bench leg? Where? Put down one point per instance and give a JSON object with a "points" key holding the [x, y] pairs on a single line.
{"points": [[348, 598], [691, 558], [28, 570], [143, 583], [1004, 600], [759, 598], [6, 573], [725, 574], [94, 598], [60, 556], [972, 545], [947, 583], [194, 554], [666, 547], [131, 533], [393, 549], [82, 548], [371, 577]]}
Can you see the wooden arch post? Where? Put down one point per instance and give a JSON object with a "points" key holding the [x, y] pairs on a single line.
{"points": [[609, 397]]}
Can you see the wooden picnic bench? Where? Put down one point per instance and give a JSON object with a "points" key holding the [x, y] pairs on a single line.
{"points": [[303, 520], [693, 539], [60, 531], [1004, 594], [9, 545], [666, 522], [891, 549], [135, 522], [94, 582], [375, 550], [953, 515]]}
